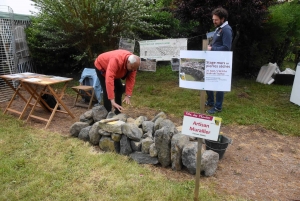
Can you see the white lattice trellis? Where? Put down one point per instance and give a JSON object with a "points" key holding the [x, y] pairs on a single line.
{"points": [[14, 52], [7, 52]]}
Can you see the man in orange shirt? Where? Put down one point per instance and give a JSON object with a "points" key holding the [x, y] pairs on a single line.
{"points": [[111, 67]]}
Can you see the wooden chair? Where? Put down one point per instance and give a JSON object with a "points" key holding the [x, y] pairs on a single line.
{"points": [[84, 90]]}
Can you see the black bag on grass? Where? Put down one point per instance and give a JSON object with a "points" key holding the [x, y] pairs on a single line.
{"points": [[50, 100]]}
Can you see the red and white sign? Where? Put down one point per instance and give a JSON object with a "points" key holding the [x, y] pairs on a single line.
{"points": [[201, 126]]}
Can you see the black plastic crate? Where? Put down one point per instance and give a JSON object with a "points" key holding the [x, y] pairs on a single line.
{"points": [[284, 79]]}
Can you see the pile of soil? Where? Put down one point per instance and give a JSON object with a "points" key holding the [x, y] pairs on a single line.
{"points": [[260, 164]]}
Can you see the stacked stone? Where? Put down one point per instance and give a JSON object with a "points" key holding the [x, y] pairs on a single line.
{"points": [[155, 141]]}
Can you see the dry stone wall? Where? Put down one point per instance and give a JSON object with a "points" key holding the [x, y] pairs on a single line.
{"points": [[155, 141]]}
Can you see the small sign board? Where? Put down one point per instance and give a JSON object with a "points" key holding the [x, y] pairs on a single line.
{"points": [[201, 126], [175, 63], [148, 65]]}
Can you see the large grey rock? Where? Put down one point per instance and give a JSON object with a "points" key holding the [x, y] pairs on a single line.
{"points": [[136, 146], [87, 117], [170, 124], [76, 128], [99, 112], [94, 134], [189, 156], [88, 114], [148, 126], [209, 162], [116, 137], [104, 133], [147, 135], [166, 122], [163, 145], [177, 143], [159, 115], [130, 120], [125, 148], [157, 123], [110, 115], [153, 150], [112, 127], [146, 143], [84, 133], [122, 117], [107, 144], [138, 122], [89, 121], [132, 131], [141, 158]]}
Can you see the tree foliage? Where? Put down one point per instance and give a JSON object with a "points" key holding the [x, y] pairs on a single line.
{"points": [[246, 17], [284, 26], [88, 27]]}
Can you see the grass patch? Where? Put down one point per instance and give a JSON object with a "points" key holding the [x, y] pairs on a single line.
{"points": [[40, 165]]}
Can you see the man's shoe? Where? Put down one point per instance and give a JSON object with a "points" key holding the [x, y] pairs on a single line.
{"points": [[213, 110], [208, 105]]}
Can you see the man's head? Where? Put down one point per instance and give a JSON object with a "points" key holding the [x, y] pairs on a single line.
{"points": [[219, 16], [133, 62]]}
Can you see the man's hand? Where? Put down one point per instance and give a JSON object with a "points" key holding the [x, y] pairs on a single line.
{"points": [[116, 106], [127, 100], [209, 48]]}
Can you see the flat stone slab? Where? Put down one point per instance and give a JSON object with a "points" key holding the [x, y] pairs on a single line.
{"points": [[142, 158]]}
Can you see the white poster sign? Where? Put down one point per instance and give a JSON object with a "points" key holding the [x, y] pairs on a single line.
{"points": [[205, 70], [295, 95], [148, 65], [162, 50], [201, 126]]}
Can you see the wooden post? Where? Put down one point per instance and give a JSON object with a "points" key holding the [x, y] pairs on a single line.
{"points": [[199, 155], [204, 44]]}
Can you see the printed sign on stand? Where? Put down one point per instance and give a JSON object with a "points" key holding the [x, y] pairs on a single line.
{"points": [[201, 126], [205, 70]]}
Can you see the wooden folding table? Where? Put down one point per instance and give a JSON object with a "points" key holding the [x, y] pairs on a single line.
{"points": [[36, 85], [8, 79], [45, 83]]}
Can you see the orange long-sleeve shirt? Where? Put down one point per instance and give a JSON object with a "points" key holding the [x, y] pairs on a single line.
{"points": [[113, 66]]}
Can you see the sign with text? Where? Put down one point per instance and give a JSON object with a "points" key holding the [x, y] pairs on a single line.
{"points": [[163, 49], [205, 70], [201, 126]]}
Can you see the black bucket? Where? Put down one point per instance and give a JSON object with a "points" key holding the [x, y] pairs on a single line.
{"points": [[218, 146]]}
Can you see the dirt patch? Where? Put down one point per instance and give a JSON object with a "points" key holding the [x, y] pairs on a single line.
{"points": [[259, 165]]}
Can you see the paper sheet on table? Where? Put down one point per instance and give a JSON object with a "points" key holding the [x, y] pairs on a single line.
{"points": [[46, 82], [15, 76], [59, 78], [32, 80], [28, 73]]}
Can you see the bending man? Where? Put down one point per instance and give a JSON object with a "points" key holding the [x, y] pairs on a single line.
{"points": [[111, 67]]}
